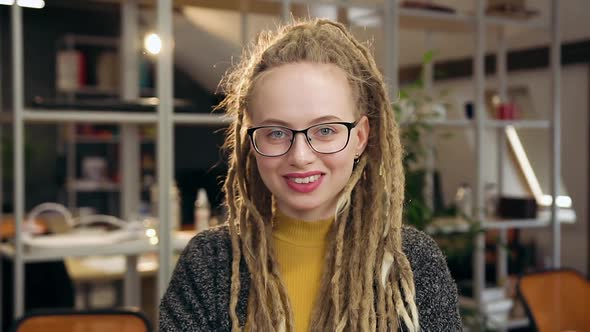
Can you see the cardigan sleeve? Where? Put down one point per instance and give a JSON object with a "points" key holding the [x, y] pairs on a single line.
{"points": [[436, 291], [185, 305], [198, 296]]}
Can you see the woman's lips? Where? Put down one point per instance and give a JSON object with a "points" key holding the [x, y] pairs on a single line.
{"points": [[304, 182]]}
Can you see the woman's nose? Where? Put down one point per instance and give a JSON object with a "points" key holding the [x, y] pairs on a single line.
{"points": [[301, 152]]}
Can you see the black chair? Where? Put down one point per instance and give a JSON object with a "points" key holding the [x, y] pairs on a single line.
{"points": [[47, 285]]}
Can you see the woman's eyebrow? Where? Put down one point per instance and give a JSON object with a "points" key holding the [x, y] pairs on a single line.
{"points": [[278, 122]]}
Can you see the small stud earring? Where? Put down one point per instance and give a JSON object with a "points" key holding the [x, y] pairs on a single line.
{"points": [[357, 158]]}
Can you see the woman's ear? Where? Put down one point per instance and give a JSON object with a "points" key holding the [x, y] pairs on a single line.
{"points": [[362, 133]]}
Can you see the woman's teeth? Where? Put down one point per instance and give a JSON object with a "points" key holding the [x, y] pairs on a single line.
{"points": [[308, 179]]}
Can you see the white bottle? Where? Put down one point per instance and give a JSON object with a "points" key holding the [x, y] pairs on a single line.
{"points": [[464, 201], [491, 199], [202, 210]]}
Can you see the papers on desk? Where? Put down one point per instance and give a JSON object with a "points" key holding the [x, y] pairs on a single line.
{"points": [[117, 264], [75, 239]]}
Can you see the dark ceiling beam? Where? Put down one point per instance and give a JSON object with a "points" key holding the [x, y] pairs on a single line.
{"points": [[533, 58]]}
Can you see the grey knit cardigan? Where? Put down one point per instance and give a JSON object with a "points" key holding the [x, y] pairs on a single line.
{"points": [[198, 296]]}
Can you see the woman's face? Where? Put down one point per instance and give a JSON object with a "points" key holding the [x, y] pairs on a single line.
{"points": [[306, 184]]}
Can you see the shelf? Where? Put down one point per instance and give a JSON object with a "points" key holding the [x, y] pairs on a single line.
{"points": [[565, 216], [60, 116], [92, 186], [57, 116], [202, 119], [423, 19], [516, 223], [89, 139], [125, 248], [469, 124], [453, 22], [541, 124], [527, 23], [458, 123], [448, 225], [92, 90]]}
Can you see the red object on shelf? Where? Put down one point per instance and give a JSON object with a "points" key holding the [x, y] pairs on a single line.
{"points": [[506, 111]]}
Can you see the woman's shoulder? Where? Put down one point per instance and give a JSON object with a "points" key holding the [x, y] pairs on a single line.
{"points": [[417, 244], [199, 292], [212, 239], [209, 250], [436, 291], [426, 258]]}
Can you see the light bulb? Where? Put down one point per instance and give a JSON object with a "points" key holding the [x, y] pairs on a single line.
{"points": [[153, 43]]}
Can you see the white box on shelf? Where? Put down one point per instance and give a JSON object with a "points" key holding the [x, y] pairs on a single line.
{"points": [[70, 72]]}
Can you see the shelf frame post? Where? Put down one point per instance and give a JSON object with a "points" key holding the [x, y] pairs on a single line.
{"points": [[479, 86], [502, 75], [165, 145], [555, 61], [129, 151], [391, 33], [19, 160]]}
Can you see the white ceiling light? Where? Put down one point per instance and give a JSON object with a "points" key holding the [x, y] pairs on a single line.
{"points": [[152, 43], [7, 2], [37, 4]]}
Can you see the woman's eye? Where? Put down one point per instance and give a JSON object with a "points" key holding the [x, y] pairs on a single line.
{"points": [[325, 131], [277, 134]]}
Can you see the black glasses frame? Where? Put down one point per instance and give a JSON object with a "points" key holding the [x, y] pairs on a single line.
{"points": [[349, 126]]}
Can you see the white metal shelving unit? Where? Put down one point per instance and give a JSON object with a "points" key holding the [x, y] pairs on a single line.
{"points": [[164, 118], [478, 24]]}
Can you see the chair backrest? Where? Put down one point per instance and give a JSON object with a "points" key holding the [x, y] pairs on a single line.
{"points": [[556, 300], [69, 320]]}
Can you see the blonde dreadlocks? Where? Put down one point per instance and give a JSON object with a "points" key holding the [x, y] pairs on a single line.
{"points": [[363, 289]]}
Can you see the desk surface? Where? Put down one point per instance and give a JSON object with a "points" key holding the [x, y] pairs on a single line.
{"points": [[110, 268], [132, 247]]}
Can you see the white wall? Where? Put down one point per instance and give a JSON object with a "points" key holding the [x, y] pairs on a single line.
{"points": [[456, 159]]}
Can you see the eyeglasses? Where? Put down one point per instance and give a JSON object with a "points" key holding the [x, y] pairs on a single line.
{"points": [[325, 138]]}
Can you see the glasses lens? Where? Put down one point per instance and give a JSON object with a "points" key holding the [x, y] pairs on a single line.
{"points": [[323, 138], [272, 141], [328, 137]]}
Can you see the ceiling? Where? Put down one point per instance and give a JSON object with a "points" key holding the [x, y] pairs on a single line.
{"points": [[208, 34]]}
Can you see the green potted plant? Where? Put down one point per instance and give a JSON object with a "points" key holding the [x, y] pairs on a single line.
{"points": [[414, 108]]}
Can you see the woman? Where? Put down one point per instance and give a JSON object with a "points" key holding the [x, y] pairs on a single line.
{"points": [[314, 237]]}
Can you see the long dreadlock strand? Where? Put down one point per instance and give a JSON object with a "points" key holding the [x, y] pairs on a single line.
{"points": [[354, 263]]}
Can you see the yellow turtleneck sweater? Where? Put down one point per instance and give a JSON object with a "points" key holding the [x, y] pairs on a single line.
{"points": [[300, 247]]}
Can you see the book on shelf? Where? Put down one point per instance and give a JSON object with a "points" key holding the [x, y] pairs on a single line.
{"points": [[71, 70]]}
